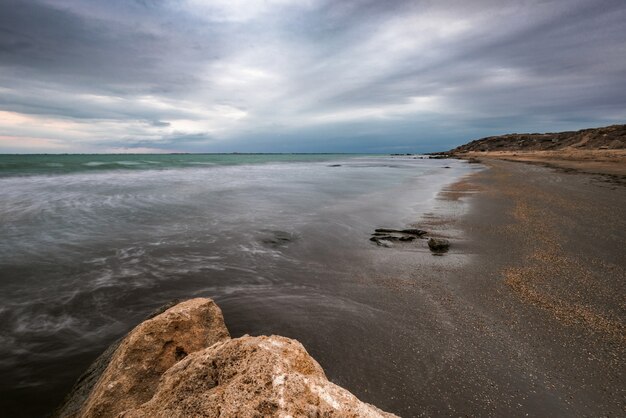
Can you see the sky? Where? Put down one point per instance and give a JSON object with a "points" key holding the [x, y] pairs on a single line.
{"points": [[367, 76]]}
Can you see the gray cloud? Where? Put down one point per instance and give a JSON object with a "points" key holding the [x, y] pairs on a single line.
{"points": [[317, 75]]}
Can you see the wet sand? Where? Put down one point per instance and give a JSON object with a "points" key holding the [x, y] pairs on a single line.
{"points": [[534, 323]]}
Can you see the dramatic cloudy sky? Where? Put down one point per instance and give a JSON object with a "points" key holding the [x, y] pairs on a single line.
{"points": [[303, 75]]}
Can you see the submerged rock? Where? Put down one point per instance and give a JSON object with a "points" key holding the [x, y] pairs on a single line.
{"points": [[414, 231], [438, 245], [182, 363], [385, 236], [386, 230], [383, 241], [278, 238], [411, 231]]}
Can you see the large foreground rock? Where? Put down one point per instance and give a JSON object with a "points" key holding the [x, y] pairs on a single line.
{"points": [[182, 363], [251, 377], [150, 349]]}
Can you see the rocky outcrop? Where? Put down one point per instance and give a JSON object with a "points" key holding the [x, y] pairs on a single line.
{"points": [[609, 137], [182, 363], [409, 231], [385, 236], [277, 239], [133, 372], [251, 377]]}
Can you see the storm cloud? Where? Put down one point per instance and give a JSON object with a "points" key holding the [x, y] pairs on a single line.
{"points": [[303, 76]]}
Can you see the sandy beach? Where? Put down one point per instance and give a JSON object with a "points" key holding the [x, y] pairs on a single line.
{"points": [[596, 161], [536, 318]]}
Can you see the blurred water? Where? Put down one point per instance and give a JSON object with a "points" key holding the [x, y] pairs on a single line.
{"points": [[86, 255]]}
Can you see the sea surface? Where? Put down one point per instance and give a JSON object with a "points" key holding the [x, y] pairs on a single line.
{"points": [[91, 244]]}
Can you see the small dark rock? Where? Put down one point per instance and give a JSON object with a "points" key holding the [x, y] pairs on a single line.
{"points": [[278, 238], [411, 231], [414, 231], [386, 230], [389, 237], [438, 245], [382, 241]]}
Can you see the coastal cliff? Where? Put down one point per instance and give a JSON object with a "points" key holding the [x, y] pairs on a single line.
{"points": [[182, 362]]}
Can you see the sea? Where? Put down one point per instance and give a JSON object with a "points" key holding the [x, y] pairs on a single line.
{"points": [[92, 244]]}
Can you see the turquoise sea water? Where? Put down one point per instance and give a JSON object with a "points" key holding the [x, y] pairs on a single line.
{"points": [[16, 164]]}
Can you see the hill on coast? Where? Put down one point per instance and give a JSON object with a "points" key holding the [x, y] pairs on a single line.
{"points": [[610, 137]]}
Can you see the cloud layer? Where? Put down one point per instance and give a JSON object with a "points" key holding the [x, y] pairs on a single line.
{"points": [[303, 75]]}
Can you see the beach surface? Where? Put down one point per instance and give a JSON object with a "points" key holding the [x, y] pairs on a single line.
{"points": [[538, 314], [595, 161]]}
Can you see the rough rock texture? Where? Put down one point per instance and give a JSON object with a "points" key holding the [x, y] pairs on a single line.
{"points": [[385, 236], [181, 362], [251, 377], [75, 399], [609, 137], [133, 373]]}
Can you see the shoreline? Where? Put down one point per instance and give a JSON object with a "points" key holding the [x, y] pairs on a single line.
{"points": [[547, 278], [605, 162], [523, 315]]}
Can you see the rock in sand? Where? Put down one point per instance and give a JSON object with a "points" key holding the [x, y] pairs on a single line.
{"points": [[438, 245]]}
